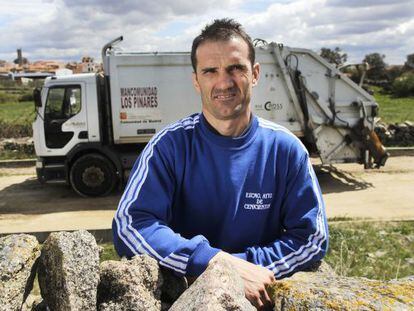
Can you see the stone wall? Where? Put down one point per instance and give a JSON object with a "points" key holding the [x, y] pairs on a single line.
{"points": [[71, 278]]}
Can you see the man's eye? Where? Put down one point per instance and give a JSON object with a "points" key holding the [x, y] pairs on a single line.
{"points": [[237, 68], [208, 71]]}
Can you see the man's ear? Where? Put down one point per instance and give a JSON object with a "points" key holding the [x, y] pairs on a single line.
{"points": [[195, 82], [256, 74]]}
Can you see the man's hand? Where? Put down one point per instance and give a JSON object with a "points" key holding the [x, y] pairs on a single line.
{"points": [[255, 279]]}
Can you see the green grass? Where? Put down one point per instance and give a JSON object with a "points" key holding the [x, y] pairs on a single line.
{"points": [[108, 252], [7, 97], [16, 119], [15, 155], [340, 218], [17, 112], [375, 250], [394, 110]]}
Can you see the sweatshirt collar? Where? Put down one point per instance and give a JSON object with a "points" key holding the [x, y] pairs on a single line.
{"points": [[211, 134]]}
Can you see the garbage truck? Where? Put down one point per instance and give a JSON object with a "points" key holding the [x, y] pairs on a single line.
{"points": [[90, 128]]}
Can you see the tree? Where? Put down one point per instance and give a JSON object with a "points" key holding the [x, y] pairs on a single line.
{"points": [[335, 56], [409, 64], [377, 65], [24, 61]]}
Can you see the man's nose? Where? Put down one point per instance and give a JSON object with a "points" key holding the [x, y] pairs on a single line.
{"points": [[225, 81]]}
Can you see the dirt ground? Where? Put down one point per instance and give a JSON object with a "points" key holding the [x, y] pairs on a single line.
{"points": [[348, 190]]}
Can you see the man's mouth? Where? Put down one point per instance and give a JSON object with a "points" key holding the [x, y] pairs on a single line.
{"points": [[224, 96]]}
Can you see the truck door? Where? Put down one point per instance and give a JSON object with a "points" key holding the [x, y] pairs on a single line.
{"points": [[63, 103]]}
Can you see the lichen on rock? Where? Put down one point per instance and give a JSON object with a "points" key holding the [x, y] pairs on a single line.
{"points": [[322, 291]]}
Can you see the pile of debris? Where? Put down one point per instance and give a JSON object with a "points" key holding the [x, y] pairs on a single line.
{"points": [[23, 145], [71, 278], [401, 134]]}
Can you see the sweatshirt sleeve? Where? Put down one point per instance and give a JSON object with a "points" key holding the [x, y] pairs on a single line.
{"points": [[141, 221], [304, 237]]}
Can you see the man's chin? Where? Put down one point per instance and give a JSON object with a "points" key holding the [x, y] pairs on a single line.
{"points": [[229, 115]]}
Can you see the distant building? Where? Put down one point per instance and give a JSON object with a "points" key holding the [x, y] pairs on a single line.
{"points": [[63, 72], [6, 67], [87, 65], [45, 66], [23, 68]]}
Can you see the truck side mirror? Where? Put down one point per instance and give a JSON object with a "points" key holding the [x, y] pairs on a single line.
{"points": [[37, 97]]}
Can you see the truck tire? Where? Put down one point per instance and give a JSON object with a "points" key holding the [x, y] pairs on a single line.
{"points": [[93, 175]]}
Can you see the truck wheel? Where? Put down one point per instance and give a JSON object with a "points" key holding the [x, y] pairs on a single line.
{"points": [[93, 175]]}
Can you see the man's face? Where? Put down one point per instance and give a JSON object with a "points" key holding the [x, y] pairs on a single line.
{"points": [[224, 78]]}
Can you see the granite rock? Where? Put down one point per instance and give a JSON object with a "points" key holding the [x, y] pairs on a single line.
{"points": [[130, 285], [218, 288], [320, 291], [69, 271], [18, 259], [32, 302]]}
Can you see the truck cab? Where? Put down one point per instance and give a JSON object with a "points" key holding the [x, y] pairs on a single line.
{"points": [[62, 118], [66, 132]]}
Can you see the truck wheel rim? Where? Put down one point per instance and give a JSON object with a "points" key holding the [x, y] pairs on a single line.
{"points": [[93, 176]]}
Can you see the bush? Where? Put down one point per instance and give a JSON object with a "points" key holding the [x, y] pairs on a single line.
{"points": [[8, 130], [27, 96], [404, 85], [7, 98], [393, 73], [8, 83]]}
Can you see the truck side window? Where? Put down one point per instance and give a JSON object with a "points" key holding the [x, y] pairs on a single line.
{"points": [[63, 102], [74, 94], [53, 109]]}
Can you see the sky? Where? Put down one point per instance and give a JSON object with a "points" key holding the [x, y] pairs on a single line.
{"points": [[69, 29]]}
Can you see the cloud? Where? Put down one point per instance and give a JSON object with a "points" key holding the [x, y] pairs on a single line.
{"points": [[318, 23], [364, 3], [147, 8], [70, 29]]}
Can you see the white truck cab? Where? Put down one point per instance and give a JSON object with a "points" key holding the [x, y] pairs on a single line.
{"points": [[68, 116]]}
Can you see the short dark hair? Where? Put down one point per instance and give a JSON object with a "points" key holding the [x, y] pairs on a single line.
{"points": [[221, 30]]}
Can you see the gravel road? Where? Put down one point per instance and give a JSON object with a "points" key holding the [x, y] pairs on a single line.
{"points": [[348, 190]]}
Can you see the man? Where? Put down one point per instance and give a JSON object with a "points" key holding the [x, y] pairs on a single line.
{"points": [[224, 183]]}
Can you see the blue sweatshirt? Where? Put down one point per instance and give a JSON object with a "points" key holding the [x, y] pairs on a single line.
{"points": [[192, 193]]}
